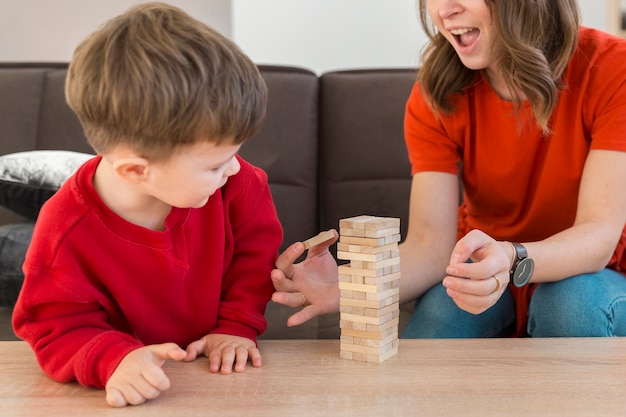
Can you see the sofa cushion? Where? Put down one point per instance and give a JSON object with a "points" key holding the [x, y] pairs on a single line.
{"points": [[14, 240], [28, 179]]}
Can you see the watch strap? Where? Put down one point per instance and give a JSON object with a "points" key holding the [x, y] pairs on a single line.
{"points": [[522, 266]]}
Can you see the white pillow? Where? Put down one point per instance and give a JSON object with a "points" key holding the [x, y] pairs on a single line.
{"points": [[28, 179]]}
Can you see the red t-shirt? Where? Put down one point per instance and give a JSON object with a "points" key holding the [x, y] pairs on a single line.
{"points": [[97, 286], [518, 184]]}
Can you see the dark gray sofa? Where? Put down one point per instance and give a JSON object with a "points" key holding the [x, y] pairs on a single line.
{"points": [[332, 146]]}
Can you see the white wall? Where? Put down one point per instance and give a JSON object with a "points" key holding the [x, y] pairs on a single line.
{"points": [[317, 34], [329, 34], [49, 30]]}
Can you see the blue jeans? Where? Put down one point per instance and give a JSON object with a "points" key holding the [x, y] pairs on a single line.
{"points": [[585, 305]]}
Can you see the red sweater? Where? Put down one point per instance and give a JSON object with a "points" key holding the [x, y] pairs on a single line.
{"points": [[520, 185], [97, 287]]}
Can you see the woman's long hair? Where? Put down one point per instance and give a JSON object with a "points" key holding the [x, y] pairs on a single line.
{"points": [[537, 39]]}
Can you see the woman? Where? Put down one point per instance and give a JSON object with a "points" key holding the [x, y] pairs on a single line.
{"points": [[532, 108]]}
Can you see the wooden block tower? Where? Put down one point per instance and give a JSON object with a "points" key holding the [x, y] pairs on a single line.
{"points": [[369, 301]]}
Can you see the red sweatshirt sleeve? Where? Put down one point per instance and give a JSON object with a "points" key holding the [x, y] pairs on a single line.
{"points": [[254, 236], [53, 322]]}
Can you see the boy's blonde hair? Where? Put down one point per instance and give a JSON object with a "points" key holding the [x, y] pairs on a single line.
{"points": [[156, 80]]}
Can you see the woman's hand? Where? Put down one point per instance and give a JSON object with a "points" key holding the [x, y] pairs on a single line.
{"points": [[312, 283], [476, 286]]}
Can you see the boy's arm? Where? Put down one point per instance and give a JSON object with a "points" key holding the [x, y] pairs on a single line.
{"points": [[71, 338], [256, 237]]}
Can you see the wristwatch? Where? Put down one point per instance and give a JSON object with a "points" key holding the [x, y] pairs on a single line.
{"points": [[522, 267]]}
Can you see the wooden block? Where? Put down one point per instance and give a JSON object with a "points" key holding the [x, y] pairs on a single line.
{"points": [[348, 270], [344, 277], [347, 294], [344, 308], [316, 240], [359, 327], [356, 256], [389, 247], [382, 232], [394, 277], [361, 287], [355, 318], [356, 264], [382, 295], [357, 222], [366, 303], [351, 232], [382, 327], [359, 295], [347, 247], [347, 355], [370, 321], [391, 331], [384, 342], [365, 241], [379, 312], [391, 239], [370, 350], [381, 358], [351, 326], [380, 223], [351, 340], [361, 357], [383, 263], [357, 279]]}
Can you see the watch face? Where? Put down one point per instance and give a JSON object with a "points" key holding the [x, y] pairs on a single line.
{"points": [[523, 272]]}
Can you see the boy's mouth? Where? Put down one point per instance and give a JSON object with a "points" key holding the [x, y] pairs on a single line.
{"points": [[465, 36]]}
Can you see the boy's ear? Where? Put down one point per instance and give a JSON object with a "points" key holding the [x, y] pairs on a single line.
{"points": [[133, 169]]}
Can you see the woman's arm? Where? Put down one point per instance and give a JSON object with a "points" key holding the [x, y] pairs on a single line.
{"points": [[585, 247], [588, 245], [432, 232]]}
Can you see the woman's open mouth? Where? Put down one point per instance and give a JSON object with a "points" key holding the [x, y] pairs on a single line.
{"points": [[465, 36]]}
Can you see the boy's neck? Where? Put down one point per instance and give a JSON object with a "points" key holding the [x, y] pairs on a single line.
{"points": [[127, 200]]}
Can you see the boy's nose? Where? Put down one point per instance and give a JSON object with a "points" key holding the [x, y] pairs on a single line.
{"points": [[233, 167]]}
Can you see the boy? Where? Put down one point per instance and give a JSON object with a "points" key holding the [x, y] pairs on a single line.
{"points": [[166, 238]]}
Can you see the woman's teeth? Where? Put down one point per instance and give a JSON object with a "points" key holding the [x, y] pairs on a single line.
{"points": [[459, 32]]}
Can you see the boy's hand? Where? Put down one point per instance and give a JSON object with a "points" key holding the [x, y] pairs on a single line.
{"points": [[139, 376], [223, 351]]}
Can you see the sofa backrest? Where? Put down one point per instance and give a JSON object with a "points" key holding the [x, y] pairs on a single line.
{"points": [[286, 147], [33, 112], [364, 166], [332, 145], [34, 115]]}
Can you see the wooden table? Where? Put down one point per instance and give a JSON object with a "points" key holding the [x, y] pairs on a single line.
{"points": [[490, 377]]}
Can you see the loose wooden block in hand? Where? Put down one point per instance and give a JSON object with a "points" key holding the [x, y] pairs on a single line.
{"points": [[316, 240]]}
